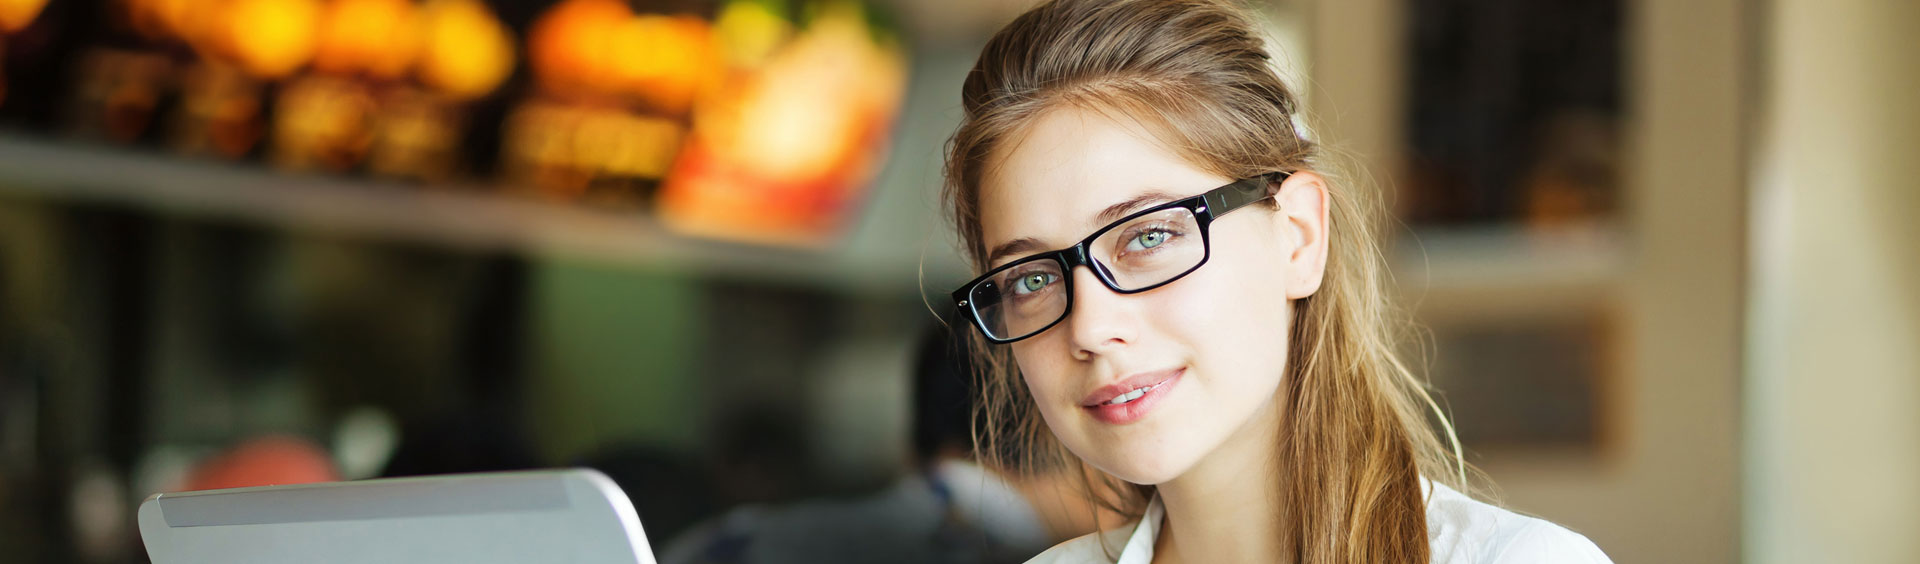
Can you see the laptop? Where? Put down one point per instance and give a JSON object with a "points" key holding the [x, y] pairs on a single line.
{"points": [[565, 516]]}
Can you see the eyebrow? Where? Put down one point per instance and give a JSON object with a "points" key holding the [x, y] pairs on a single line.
{"points": [[1115, 212], [1021, 245], [1109, 215]]}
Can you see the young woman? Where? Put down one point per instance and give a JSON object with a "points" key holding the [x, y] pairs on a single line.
{"points": [[1180, 297]]}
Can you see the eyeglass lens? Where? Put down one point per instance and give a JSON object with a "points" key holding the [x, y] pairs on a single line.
{"points": [[1145, 251]]}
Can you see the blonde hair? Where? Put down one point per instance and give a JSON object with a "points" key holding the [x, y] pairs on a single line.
{"points": [[1355, 437]]}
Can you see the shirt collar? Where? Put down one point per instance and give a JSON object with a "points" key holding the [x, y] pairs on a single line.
{"points": [[1139, 547]]}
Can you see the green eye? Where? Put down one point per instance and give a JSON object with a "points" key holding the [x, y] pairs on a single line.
{"points": [[1034, 282], [1150, 239]]}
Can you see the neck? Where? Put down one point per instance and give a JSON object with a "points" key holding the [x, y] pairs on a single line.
{"points": [[1227, 507]]}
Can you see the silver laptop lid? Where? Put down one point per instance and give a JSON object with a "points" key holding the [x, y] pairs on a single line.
{"points": [[570, 516]]}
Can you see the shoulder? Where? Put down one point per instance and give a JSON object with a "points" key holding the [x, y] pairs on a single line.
{"points": [[1460, 530], [1541, 541], [1463, 530], [1086, 548]]}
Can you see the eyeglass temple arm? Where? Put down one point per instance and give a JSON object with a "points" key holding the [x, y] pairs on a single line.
{"points": [[1232, 196]]}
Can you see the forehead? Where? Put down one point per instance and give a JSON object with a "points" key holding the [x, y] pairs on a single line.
{"points": [[1051, 179]]}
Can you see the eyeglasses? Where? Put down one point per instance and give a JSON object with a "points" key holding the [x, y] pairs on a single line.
{"points": [[1145, 250]]}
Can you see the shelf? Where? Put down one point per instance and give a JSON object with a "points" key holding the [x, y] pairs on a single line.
{"points": [[1509, 269], [459, 217]]}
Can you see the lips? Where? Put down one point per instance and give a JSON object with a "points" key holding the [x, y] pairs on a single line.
{"points": [[1137, 395], [1135, 382]]}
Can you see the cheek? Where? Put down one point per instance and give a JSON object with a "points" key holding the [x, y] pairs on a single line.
{"points": [[1042, 362], [1233, 290], [1050, 374], [1233, 312]]}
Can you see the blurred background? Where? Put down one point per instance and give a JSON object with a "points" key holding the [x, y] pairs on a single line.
{"points": [[1662, 252]]}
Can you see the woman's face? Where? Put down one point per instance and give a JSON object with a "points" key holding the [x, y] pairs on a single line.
{"points": [[1210, 349]]}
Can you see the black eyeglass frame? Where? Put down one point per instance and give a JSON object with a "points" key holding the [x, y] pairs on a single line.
{"points": [[1206, 208]]}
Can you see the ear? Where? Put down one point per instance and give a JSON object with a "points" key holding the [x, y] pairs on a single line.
{"points": [[1303, 229]]}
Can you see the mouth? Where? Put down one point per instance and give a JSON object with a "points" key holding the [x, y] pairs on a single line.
{"points": [[1132, 398]]}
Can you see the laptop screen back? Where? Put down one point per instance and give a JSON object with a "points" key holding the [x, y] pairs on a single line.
{"points": [[569, 516]]}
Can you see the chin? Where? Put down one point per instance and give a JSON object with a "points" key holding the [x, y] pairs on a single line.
{"points": [[1145, 465]]}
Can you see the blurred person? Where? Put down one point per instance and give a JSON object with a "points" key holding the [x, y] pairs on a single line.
{"points": [[948, 509], [670, 490], [757, 447], [1244, 407], [460, 442]]}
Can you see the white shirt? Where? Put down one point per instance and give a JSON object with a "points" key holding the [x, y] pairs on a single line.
{"points": [[1460, 530]]}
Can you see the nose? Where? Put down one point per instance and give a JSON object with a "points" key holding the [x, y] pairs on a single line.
{"points": [[1102, 320]]}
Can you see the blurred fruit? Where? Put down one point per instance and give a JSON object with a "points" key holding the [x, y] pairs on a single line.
{"points": [[16, 14], [323, 122], [749, 31], [221, 111], [467, 51], [265, 461], [807, 111], [665, 60], [270, 38], [572, 46], [376, 37], [416, 136], [782, 151]]}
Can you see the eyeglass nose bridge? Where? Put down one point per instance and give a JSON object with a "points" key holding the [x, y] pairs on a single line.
{"points": [[1078, 256]]}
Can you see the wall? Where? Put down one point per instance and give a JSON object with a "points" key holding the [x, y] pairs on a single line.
{"points": [[1665, 485], [1833, 437]]}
